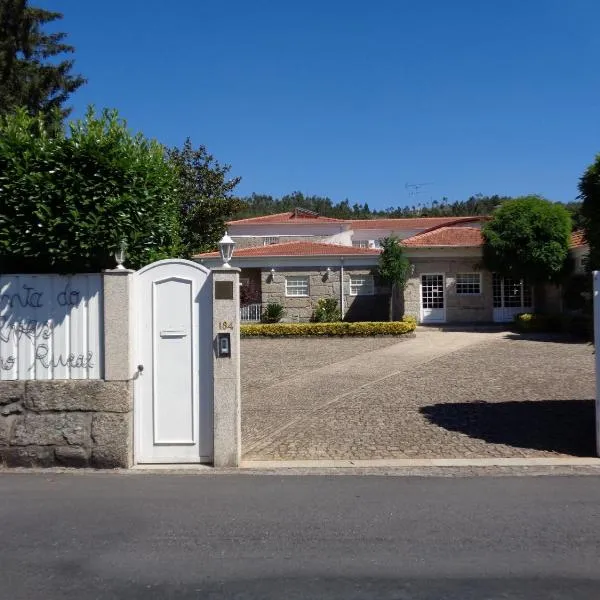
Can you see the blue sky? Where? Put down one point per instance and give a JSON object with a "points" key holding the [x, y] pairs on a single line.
{"points": [[352, 99]]}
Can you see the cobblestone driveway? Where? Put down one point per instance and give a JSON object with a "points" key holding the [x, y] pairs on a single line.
{"points": [[441, 394]]}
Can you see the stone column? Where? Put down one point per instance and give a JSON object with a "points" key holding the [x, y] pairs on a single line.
{"points": [[226, 371], [112, 429], [118, 327]]}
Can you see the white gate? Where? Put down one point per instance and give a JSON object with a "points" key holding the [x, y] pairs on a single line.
{"points": [[433, 306], [173, 386]]}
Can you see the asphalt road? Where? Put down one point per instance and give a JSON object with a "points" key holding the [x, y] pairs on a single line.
{"points": [[245, 536]]}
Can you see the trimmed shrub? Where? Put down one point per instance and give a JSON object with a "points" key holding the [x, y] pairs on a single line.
{"points": [[410, 319], [342, 328], [67, 201], [273, 313], [327, 311]]}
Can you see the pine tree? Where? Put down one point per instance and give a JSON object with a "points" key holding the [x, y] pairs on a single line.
{"points": [[28, 75]]}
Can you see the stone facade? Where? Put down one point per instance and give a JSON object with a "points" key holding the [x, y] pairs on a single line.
{"points": [[76, 423], [251, 242], [325, 285], [459, 308]]}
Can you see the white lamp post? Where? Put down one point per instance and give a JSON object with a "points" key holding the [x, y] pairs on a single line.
{"points": [[226, 246], [121, 254]]}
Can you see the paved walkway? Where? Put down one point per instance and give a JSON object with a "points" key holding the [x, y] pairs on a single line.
{"points": [[441, 394]]}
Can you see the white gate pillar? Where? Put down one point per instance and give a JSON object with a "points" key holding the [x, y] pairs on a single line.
{"points": [[226, 372], [597, 353]]}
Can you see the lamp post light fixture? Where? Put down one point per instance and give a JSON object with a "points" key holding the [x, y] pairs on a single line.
{"points": [[226, 246], [121, 254]]}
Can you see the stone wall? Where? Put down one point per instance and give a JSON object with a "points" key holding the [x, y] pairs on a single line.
{"points": [[75, 423], [250, 242], [459, 308], [325, 285]]}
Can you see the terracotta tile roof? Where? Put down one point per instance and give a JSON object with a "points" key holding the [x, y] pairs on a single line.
{"points": [[296, 217], [412, 223], [308, 217], [297, 249], [578, 239], [445, 236]]}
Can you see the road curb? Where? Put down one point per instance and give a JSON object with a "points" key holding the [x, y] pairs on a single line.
{"points": [[423, 462]]}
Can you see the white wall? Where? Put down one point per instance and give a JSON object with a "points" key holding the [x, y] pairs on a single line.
{"points": [[51, 327]]}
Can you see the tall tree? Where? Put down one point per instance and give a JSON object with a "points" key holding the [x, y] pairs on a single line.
{"points": [[589, 188], [205, 195], [394, 268], [528, 238], [30, 75]]}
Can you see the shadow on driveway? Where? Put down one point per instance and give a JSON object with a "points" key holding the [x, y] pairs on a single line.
{"points": [[557, 338], [563, 426]]}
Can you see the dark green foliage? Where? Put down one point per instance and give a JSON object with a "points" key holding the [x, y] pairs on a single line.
{"points": [[66, 202], [261, 204], [589, 188], [327, 311], [273, 313], [30, 75], [577, 292], [205, 197], [528, 238], [394, 267], [574, 209]]}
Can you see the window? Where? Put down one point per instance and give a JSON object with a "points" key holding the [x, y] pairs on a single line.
{"points": [[296, 285], [360, 244], [432, 291], [511, 293], [361, 285], [270, 240], [468, 283]]}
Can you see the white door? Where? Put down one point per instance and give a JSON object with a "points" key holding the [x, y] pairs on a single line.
{"points": [[173, 386], [433, 298], [511, 297]]}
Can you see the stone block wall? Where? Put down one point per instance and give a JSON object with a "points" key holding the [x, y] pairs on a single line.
{"points": [[459, 308], [74, 423], [251, 242], [324, 285]]}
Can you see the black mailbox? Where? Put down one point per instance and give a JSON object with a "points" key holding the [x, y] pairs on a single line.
{"points": [[223, 345]]}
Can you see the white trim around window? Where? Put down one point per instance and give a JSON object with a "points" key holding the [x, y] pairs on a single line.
{"points": [[362, 285], [296, 286], [468, 284]]}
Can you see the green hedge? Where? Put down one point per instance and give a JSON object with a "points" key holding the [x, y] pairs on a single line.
{"points": [[328, 329]]}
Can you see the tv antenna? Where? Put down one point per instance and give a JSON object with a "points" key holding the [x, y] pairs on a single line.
{"points": [[414, 189]]}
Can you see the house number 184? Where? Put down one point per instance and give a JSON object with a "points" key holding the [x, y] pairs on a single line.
{"points": [[226, 325]]}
